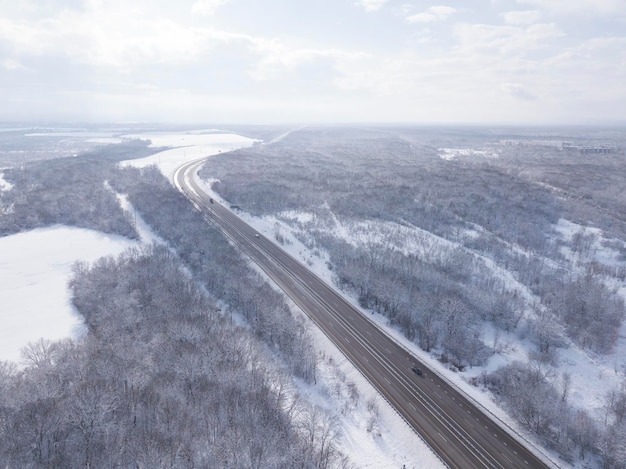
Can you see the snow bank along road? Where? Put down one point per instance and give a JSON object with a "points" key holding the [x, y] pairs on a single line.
{"points": [[458, 431]]}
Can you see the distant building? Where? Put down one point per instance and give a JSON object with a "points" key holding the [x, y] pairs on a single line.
{"points": [[560, 145]]}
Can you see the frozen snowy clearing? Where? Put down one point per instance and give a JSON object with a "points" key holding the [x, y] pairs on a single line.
{"points": [[4, 185], [452, 153], [185, 146], [35, 268]]}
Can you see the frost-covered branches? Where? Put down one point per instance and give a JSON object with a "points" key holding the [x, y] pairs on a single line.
{"points": [[68, 191], [161, 380]]}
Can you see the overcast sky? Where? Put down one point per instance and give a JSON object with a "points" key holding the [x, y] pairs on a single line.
{"points": [[264, 61]]}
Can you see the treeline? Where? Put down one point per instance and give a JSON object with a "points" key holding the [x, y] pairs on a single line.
{"points": [[528, 392], [160, 380], [440, 302], [378, 176], [69, 191], [590, 187], [216, 264]]}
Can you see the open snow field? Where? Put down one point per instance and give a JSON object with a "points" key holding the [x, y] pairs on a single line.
{"points": [[35, 267], [185, 146]]}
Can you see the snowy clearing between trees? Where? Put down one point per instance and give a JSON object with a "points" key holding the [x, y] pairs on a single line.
{"points": [[4, 185], [35, 268], [452, 153], [185, 146]]}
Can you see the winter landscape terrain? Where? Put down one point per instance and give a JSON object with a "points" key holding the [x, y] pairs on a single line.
{"points": [[496, 255]]}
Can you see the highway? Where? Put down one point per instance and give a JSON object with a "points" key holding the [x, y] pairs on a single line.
{"points": [[456, 429]]}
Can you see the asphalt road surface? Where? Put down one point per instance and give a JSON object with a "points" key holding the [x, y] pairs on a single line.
{"points": [[459, 432]]}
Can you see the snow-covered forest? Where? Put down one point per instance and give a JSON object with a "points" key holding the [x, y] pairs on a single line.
{"points": [[500, 252], [190, 359], [497, 254]]}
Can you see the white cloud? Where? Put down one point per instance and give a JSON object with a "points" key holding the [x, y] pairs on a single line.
{"points": [[520, 17], [371, 5], [517, 91], [505, 40], [207, 7], [601, 7], [434, 13], [276, 58], [442, 11], [600, 58], [12, 64], [111, 37], [185, 62]]}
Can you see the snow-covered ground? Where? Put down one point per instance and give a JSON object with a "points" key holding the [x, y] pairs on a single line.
{"points": [[4, 184], [185, 146], [594, 375], [452, 153], [35, 267]]}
